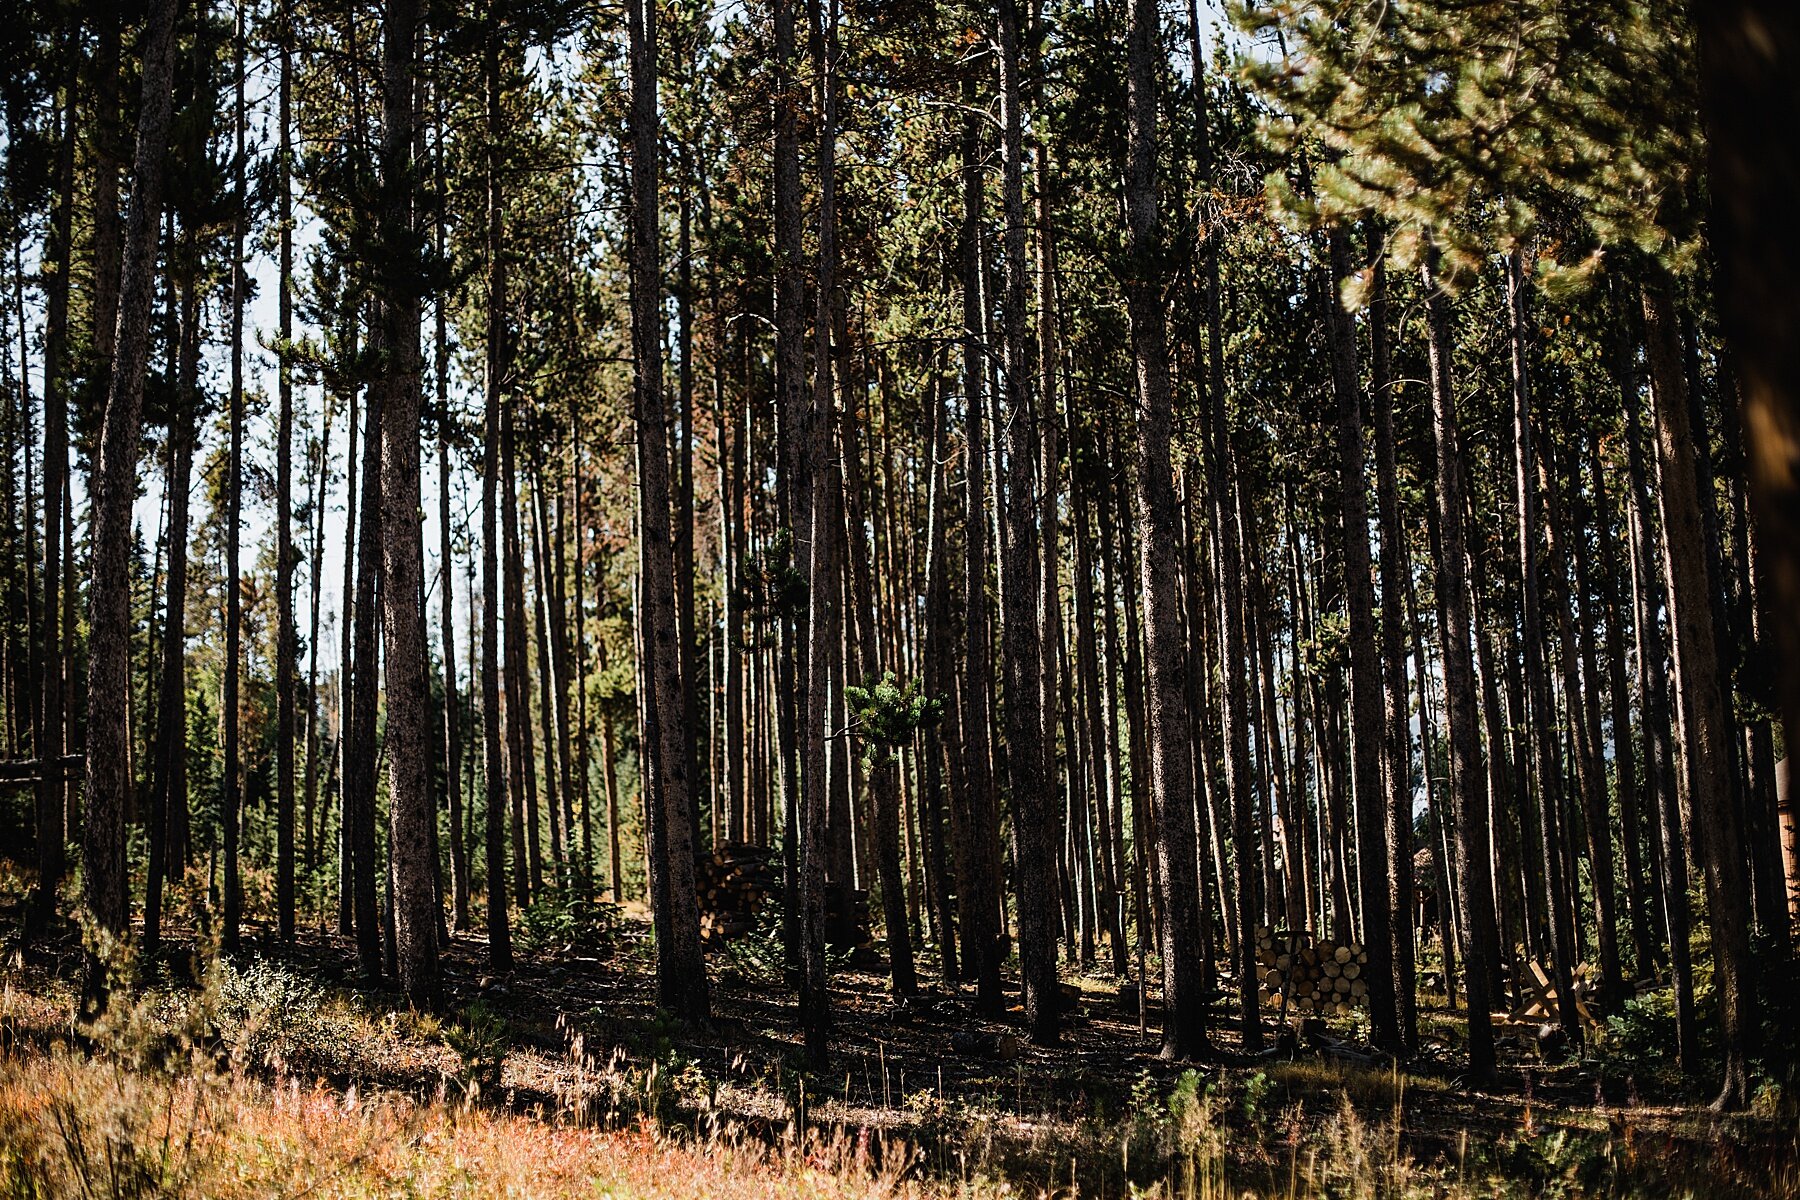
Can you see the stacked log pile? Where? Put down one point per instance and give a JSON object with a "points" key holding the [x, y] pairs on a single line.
{"points": [[731, 886], [1307, 975], [734, 882]]}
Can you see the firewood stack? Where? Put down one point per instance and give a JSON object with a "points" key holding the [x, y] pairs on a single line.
{"points": [[731, 886], [1304, 975]]}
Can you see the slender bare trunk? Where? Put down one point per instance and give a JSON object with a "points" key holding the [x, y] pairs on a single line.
{"points": [[1397, 732], [1543, 719], [1368, 714], [412, 823], [1171, 770], [1474, 881], [681, 985], [104, 882], [1706, 754], [232, 816]]}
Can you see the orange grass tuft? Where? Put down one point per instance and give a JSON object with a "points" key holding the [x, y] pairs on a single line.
{"points": [[71, 1126]]}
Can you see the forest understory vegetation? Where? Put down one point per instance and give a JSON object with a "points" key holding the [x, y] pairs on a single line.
{"points": [[253, 1076]]}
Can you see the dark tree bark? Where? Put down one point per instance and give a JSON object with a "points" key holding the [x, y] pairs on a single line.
{"points": [[883, 783], [1638, 886], [50, 736], [1543, 716], [346, 691], [1397, 731], [1171, 770], [318, 493], [453, 742], [1101, 740], [1653, 693], [791, 420], [1022, 631], [1368, 715], [285, 651], [939, 682], [542, 621], [1706, 752], [681, 985], [168, 784], [528, 854], [978, 880], [1474, 881], [823, 618], [494, 751], [1749, 56], [412, 813], [104, 882], [359, 816], [1503, 845], [684, 487], [1598, 819], [580, 653], [1435, 802], [108, 137], [232, 815], [1221, 476]]}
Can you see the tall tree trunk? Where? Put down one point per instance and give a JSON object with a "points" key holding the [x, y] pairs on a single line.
{"points": [[1221, 482], [232, 814], [496, 785], [285, 651], [883, 768], [823, 629], [791, 409], [1543, 717], [51, 736], [104, 881], [1652, 684], [459, 855], [1503, 847], [168, 784], [1638, 886], [318, 495], [979, 891], [1059, 687], [1101, 735], [108, 136], [1021, 630], [412, 823], [1473, 875], [1368, 715], [346, 691], [684, 493], [1707, 756], [681, 985], [359, 814], [1397, 728], [580, 652], [542, 619], [939, 682], [1171, 770], [1748, 55], [528, 859], [1597, 817], [1435, 802], [1568, 657], [560, 665]]}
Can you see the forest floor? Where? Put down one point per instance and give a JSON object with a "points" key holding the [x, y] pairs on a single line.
{"points": [[273, 1074]]}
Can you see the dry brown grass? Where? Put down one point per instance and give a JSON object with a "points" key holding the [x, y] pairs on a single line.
{"points": [[73, 1126], [252, 1081]]}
